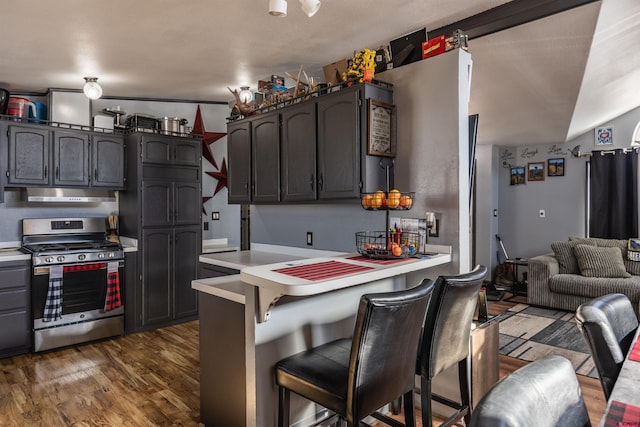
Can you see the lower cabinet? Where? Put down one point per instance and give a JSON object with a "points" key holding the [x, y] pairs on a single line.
{"points": [[169, 264], [209, 270], [15, 308]]}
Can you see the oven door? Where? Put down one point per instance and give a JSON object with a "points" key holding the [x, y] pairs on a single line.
{"points": [[84, 289]]}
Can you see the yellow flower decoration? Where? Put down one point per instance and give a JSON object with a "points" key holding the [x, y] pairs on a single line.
{"points": [[360, 62]]}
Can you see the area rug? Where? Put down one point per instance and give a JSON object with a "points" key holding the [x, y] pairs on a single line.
{"points": [[530, 333]]}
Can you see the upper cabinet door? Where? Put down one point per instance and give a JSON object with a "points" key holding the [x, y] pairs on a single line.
{"points": [[239, 158], [71, 159], [265, 143], [108, 161], [28, 156], [170, 150], [299, 176], [186, 152], [187, 203], [339, 145]]}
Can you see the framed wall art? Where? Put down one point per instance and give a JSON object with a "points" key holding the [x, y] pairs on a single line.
{"points": [[517, 175], [555, 167], [381, 129], [604, 135], [535, 171]]}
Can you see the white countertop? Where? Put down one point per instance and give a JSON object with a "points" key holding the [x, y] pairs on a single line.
{"points": [[13, 254], [242, 259], [227, 287], [265, 276]]}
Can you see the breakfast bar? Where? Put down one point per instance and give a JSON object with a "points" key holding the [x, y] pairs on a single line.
{"points": [[251, 320]]}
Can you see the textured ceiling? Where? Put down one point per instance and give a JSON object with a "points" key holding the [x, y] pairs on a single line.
{"points": [[536, 83]]}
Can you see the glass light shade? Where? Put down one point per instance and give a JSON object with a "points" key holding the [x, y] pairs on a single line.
{"points": [[310, 7], [245, 94], [91, 88], [278, 8]]}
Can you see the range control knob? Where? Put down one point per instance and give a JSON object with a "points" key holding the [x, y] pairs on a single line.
{"points": [[48, 259], [112, 254], [60, 258], [82, 257], [101, 255]]}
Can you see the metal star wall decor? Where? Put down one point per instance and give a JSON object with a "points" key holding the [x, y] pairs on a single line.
{"points": [[205, 199], [221, 176], [208, 138]]}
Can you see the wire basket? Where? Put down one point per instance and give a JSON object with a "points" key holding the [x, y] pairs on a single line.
{"points": [[387, 245], [392, 200]]}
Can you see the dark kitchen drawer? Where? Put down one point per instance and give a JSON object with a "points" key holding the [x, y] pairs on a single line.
{"points": [[14, 274], [16, 299], [15, 332]]}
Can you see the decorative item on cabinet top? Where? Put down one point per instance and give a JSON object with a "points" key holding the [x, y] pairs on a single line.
{"points": [[284, 97]]}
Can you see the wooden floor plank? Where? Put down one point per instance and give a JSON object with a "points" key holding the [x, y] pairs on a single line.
{"points": [[146, 379]]}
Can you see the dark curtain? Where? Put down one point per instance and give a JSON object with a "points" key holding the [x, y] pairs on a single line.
{"points": [[614, 195]]}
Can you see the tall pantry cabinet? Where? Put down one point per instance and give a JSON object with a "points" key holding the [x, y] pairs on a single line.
{"points": [[161, 209]]}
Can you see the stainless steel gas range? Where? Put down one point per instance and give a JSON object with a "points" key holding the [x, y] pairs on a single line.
{"points": [[76, 289]]}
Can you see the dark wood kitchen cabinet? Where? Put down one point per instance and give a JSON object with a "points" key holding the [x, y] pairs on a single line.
{"points": [[168, 269], [46, 156], [239, 157], [29, 150], [15, 308], [162, 211], [299, 174], [170, 150], [323, 149], [265, 145]]}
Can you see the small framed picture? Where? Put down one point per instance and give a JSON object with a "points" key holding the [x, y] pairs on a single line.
{"points": [[535, 171], [517, 175], [604, 135], [555, 167]]}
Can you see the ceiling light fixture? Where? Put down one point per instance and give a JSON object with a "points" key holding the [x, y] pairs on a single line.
{"points": [[278, 8], [91, 88], [310, 7], [245, 94]]}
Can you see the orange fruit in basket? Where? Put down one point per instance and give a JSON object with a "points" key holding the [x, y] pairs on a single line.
{"points": [[396, 250], [366, 201], [406, 202], [378, 200], [393, 199]]}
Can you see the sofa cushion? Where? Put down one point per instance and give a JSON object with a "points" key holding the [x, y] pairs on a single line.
{"points": [[596, 261], [564, 254], [632, 267], [593, 287]]}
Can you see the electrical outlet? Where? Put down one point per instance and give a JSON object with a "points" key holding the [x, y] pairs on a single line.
{"points": [[206, 225], [542, 213], [309, 238], [215, 216]]}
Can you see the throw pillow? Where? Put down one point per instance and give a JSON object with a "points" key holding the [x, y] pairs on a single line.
{"points": [[597, 261], [563, 251]]}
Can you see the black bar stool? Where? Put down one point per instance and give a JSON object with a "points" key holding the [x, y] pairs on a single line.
{"points": [[355, 377]]}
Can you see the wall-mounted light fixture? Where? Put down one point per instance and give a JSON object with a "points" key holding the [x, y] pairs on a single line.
{"points": [[278, 8], [310, 7], [91, 88], [245, 94]]}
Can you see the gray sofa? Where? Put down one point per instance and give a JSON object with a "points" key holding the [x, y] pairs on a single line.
{"points": [[580, 270]]}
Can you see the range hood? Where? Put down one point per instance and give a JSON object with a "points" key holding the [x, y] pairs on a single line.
{"points": [[66, 195]]}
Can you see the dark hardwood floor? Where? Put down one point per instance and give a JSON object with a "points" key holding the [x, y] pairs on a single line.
{"points": [[145, 379]]}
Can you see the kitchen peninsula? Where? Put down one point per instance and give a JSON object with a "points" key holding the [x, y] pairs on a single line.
{"points": [[250, 320]]}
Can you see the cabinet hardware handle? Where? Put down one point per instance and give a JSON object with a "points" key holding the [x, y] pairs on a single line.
{"points": [[95, 175], [46, 170], [311, 180], [320, 182], [57, 172]]}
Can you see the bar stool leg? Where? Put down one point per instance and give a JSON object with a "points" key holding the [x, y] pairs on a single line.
{"points": [[284, 398]]}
